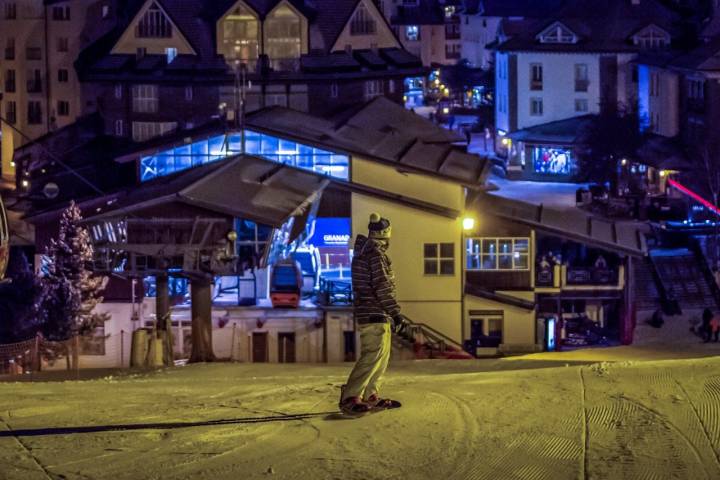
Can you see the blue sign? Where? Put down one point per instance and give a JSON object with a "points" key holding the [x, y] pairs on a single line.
{"points": [[331, 232]]}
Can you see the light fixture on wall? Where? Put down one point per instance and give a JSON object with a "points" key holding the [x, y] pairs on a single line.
{"points": [[260, 323]]}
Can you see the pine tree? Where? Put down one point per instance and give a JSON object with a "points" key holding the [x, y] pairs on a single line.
{"points": [[70, 291]]}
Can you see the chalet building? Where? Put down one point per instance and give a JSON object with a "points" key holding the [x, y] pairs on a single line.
{"points": [[174, 65], [569, 65], [290, 184], [39, 43], [429, 29], [481, 20]]}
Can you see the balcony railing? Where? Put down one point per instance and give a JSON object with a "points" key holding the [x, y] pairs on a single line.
{"points": [[557, 276], [536, 85]]}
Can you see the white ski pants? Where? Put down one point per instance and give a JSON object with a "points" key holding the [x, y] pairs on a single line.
{"points": [[366, 377]]}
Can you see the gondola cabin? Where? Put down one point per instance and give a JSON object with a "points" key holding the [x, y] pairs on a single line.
{"points": [[285, 284], [4, 240]]}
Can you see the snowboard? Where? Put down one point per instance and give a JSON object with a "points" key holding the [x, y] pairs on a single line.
{"points": [[392, 405]]}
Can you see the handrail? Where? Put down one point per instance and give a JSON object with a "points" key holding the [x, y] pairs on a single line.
{"points": [[439, 336]]}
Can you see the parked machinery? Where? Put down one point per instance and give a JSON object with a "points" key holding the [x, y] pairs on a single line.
{"points": [[285, 284]]}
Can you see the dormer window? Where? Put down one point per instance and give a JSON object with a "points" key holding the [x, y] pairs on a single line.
{"points": [[154, 24], [557, 33], [240, 35], [362, 22], [651, 38]]}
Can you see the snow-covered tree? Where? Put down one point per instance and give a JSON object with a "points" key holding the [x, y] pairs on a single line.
{"points": [[17, 300], [70, 291]]}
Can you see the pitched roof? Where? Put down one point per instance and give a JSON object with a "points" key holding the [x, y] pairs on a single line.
{"points": [[380, 130], [571, 223], [517, 8], [560, 131], [609, 32]]}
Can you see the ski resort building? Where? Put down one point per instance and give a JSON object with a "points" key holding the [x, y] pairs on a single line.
{"points": [[214, 214]]}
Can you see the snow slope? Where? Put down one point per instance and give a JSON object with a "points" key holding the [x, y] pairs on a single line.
{"points": [[526, 418]]}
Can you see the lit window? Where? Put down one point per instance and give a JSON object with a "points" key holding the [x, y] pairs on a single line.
{"points": [[449, 11], [154, 24], [240, 36], [552, 161], [412, 33], [439, 258], [498, 253], [145, 98], [142, 131], [282, 38], [170, 53]]}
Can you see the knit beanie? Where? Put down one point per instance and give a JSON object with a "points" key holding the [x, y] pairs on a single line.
{"points": [[379, 227]]}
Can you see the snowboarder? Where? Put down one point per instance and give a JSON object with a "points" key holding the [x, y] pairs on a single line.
{"points": [[376, 314]]}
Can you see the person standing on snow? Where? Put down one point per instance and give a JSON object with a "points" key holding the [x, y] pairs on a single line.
{"points": [[377, 314]]}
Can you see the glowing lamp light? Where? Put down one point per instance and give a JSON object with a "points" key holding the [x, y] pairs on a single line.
{"points": [[623, 162], [663, 173], [468, 223], [25, 183], [446, 110], [501, 133], [505, 141], [12, 164]]}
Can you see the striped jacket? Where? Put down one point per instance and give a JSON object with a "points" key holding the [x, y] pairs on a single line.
{"points": [[373, 282]]}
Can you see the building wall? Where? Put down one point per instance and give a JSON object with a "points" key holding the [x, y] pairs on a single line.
{"points": [[518, 323], [659, 111], [35, 27], [502, 117], [129, 43], [430, 299], [414, 185], [383, 37], [476, 33], [558, 87]]}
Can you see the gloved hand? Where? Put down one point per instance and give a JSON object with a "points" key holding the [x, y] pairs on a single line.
{"points": [[399, 323]]}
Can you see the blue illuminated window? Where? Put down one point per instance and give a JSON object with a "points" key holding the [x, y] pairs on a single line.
{"points": [[279, 150], [554, 161]]}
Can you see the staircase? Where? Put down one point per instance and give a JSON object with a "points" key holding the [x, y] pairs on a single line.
{"points": [[647, 296], [683, 278], [427, 343]]}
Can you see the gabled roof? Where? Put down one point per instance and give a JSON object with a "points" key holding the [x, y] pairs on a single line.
{"points": [[610, 31], [565, 131], [516, 8], [570, 223], [332, 16], [383, 131]]}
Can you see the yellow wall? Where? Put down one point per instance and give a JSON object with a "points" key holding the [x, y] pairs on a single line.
{"points": [[518, 323], [430, 299], [417, 186], [128, 44], [383, 37], [8, 147]]}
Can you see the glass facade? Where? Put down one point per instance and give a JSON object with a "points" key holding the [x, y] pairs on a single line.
{"points": [[553, 161], [218, 147]]}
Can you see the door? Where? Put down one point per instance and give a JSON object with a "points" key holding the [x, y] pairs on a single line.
{"points": [[286, 347], [260, 347]]}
